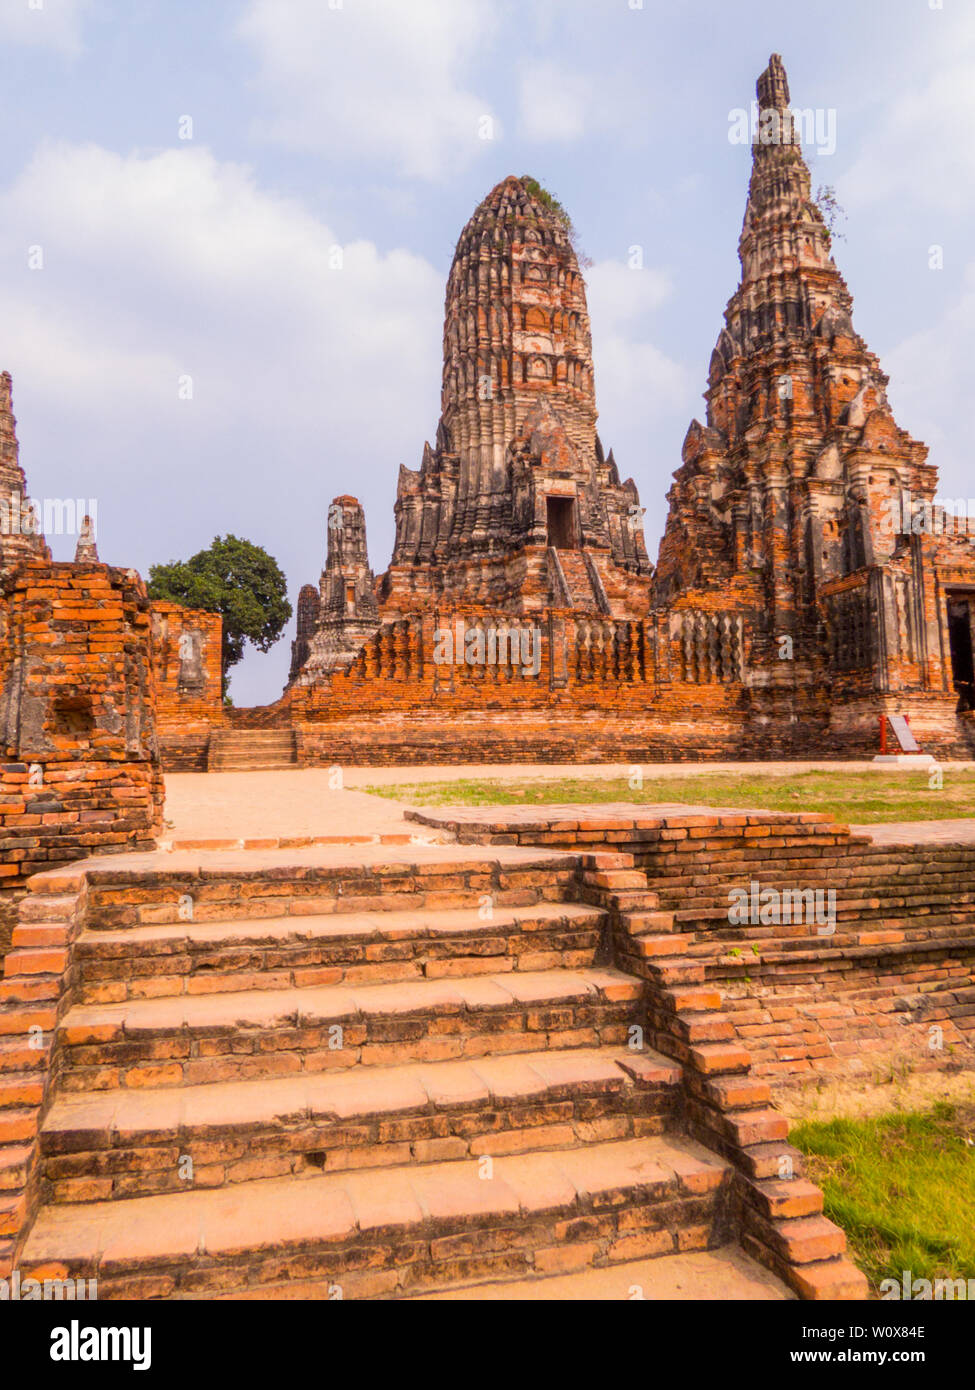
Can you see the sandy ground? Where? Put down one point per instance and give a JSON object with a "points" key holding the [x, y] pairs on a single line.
{"points": [[703, 1276], [256, 805], [239, 805]]}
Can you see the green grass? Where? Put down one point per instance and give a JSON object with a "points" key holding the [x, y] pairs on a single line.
{"points": [[860, 797], [902, 1186]]}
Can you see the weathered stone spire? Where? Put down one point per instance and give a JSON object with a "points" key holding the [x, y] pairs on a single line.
{"points": [[20, 533], [516, 331], [347, 609], [86, 551], [772, 88], [309, 602], [788, 276], [518, 428], [783, 490]]}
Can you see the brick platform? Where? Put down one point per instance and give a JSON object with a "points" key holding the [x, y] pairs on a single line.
{"points": [[895, 980], [432, 1044]]}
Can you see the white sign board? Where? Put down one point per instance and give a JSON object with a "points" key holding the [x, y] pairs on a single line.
{"points": [[905, 738]]}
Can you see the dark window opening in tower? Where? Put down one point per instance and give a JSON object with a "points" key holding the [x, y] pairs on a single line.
{"points": [[561, 522], [960, 642], [854, 550]]}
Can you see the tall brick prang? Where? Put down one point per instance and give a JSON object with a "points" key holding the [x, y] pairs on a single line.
{"points": [[347, 612], [788, 498], [516, 503]]}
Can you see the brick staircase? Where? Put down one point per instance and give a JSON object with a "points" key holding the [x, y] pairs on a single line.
{"points": [[902, 953], [573, 582], [392, 1073], [251, 750], [892, 986]]}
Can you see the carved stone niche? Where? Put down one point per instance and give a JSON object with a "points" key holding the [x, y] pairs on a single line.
{"points": [[191, 678], [829, 464]]}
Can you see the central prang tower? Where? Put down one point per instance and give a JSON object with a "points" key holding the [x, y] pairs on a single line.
{"points": [[517, 506]]}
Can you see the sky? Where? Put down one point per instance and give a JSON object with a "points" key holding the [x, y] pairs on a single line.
{"points": [[225, 232]]}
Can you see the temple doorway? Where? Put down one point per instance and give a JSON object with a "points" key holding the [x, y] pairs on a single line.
{"points": [[561, 522], [960, 642]]}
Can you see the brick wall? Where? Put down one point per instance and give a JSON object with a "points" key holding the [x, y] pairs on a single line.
{"points": [[80, 767], [892, 981], [189, 691]]}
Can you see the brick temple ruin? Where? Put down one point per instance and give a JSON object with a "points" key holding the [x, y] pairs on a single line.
{"points": [[608, 1034], [807, 583]]}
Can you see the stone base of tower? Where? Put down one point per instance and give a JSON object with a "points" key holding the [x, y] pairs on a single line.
{"points": [[932, 717], [676, 726]]}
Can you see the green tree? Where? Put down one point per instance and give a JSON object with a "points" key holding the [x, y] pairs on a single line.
{"points": [[236, 579]]}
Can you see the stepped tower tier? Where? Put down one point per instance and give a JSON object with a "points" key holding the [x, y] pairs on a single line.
{"points": [[517, 476]]}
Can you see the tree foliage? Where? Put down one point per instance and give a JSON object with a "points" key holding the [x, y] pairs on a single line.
{"points": [[236, 579], [833, 211]]}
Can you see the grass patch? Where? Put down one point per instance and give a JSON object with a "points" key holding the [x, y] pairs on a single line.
{"points": [[860, 797], [902, 1186]]}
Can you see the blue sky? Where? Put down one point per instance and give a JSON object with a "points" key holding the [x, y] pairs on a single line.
{"points": [[361, 125]]}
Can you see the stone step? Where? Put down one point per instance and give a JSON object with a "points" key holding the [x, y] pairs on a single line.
{"points": [[848, 920], [220, 886], [840, 872], [129, 1143], [923, 897], [251, 750], [701, 1276], [20, 1088], [251, 738], [888, 935], [187, 1039], [241, 765], [241, 738], [364, 947], [392, 1231]]}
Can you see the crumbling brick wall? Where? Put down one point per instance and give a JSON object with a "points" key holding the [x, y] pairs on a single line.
{"points": [[80, 771], [189, 683]]}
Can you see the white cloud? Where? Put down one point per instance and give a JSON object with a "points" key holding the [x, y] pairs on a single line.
{"points": [[45, 24], [181, 258], [622, 294], [554, 104], [930, 388], [379, 79], [639, 388], [920, 145], [308, 380]]}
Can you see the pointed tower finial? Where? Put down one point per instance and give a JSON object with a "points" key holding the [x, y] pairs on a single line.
{"points": [[86, 551], [772, 88]]}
